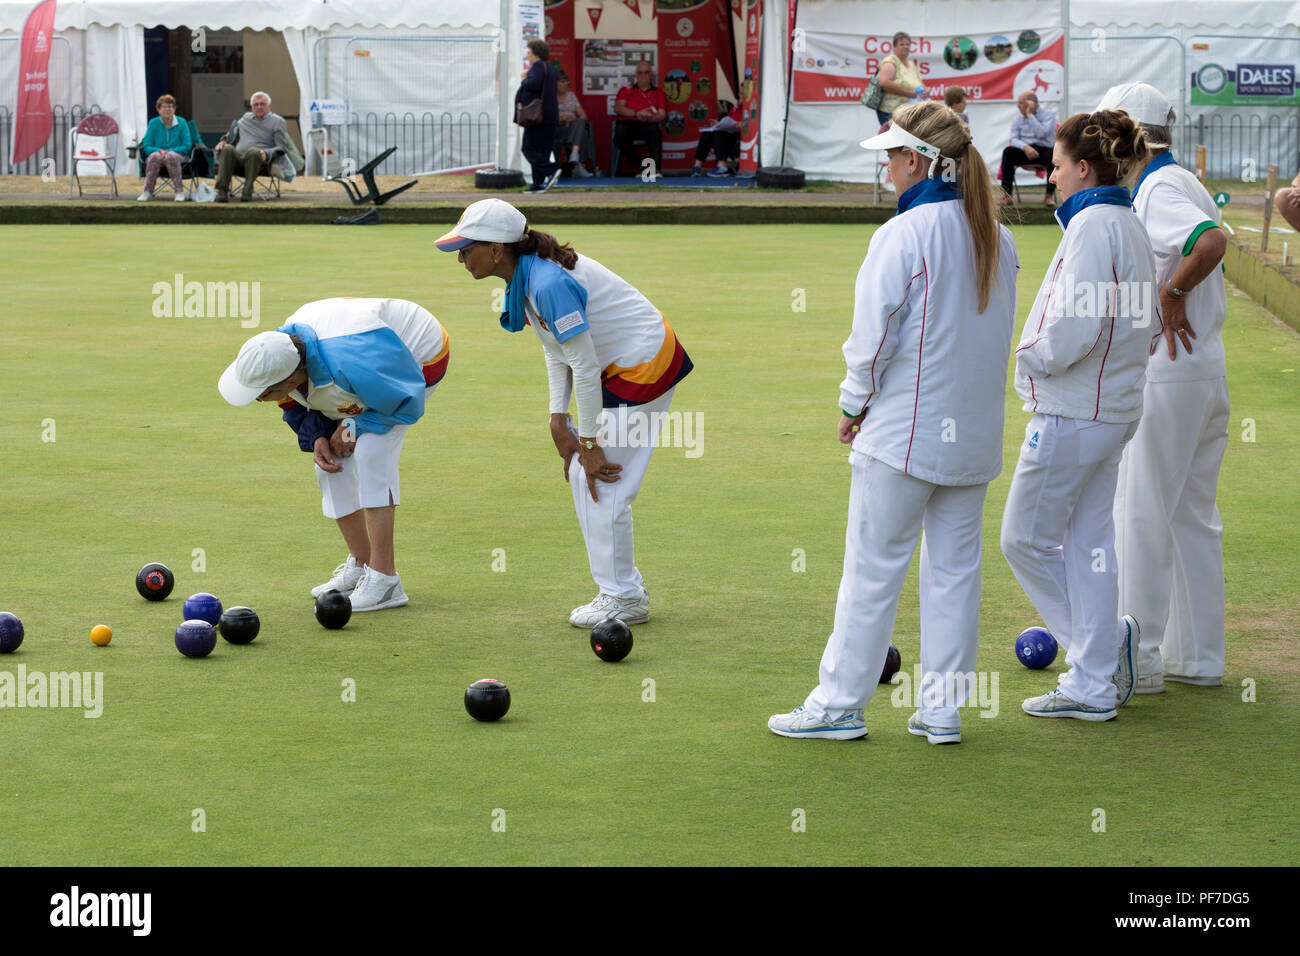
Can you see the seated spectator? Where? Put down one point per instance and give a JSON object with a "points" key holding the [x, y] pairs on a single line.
{"points": [[1287, 201], [641, 110], [255, 141], [573, 142], [166, 143], [723, 140], [1033, 136], [954, 97]]}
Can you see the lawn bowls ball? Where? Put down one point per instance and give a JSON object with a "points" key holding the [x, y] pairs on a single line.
{"points": [[203, 607], [155, 582], [239, 625], [487, 699], [196, 638]]}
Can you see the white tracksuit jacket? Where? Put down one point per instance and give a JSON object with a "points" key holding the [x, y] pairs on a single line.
{"points": [[1083, 353], [929, 368]]}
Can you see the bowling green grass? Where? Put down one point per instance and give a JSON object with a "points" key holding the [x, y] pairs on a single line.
{"points": [[662, 759]]}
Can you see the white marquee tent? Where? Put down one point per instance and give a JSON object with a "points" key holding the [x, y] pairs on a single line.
{"points": [[105, 54], [1110, 41]]}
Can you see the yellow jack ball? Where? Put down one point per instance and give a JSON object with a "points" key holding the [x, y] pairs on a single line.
{"points": [[100, 634]]}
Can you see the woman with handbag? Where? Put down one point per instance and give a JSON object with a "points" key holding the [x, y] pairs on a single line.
{"points": [[537, 111], [897, 82]]}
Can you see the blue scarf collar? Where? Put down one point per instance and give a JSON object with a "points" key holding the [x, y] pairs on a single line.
{"points": [[1166, 158], [1096, 196], [513, 318], [318, 373], [927, 190]]}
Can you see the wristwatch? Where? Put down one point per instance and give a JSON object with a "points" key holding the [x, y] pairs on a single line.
{"points": [[1178, 293], [588, 443]]}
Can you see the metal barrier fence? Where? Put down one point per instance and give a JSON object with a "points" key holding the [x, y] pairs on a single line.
{"points": [[1241, 146], [397, 90], [426, 142], [55, 148]]}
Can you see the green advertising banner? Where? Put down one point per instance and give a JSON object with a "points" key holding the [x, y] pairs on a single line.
{"points": [[1244, 71]]}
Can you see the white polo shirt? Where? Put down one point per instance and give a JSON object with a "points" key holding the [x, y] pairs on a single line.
{"points": [[1175, 209]]}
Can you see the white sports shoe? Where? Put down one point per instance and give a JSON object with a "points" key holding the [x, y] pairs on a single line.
{"points": [[1056, 704], [1150, 684], [378, 591], [1125, 673], [800, 723], [932, 732], [627, 610], [180, 196], [346, 578], [144, 196]]}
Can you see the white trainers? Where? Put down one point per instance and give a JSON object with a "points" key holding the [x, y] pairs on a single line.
{"points": [[346, 577], [144, 196], [800, 723], [1056, 704], [627, 610], [932, 732], [180, 196], [1150, 684], [1123, 678], [377, 591]]}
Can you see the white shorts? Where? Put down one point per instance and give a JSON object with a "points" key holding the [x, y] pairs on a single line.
{"points": [[369, 478]]}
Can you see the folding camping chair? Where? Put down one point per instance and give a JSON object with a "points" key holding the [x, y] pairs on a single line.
{"points": [[200, 157], [93, 141]]}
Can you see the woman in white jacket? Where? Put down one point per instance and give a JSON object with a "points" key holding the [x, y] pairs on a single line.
{"points": [[922, 406], [1081, 368]]}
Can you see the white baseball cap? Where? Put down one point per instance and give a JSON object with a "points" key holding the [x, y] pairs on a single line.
{"points": [[1142, 101], [264, 360], [488, 220], [896, 136]]}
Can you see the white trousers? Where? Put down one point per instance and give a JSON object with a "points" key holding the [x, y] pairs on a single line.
{"points": [[887, 511], [1169, 537], [1058, 535], [628, 434]]}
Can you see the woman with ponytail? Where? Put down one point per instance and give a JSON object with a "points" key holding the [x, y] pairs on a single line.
{"points": [[608, 349], [922, 409], [1081, 369]]}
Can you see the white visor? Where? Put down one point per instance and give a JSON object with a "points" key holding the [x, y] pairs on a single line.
{"points": [[896, 136]]}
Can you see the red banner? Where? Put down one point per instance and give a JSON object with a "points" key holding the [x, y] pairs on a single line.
{"points": [[32, 118], [688, 76], [749, 88], [559, 37]]}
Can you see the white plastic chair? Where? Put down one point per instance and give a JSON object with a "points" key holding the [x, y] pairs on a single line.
{"points": [[93, 143]]}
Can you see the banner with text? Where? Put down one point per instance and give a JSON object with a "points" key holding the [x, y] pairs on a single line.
{"points": [[836, 67], [33, 119], [687, 72], [749, 80], [1244, 71]]}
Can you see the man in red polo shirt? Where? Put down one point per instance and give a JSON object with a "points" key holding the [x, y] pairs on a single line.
{"points": [[641, 110]]}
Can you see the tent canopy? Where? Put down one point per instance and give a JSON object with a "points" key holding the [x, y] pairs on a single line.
{"points": [[257, 15]]}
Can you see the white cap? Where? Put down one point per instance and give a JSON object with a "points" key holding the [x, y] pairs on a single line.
{"points": [[264, 360], [1142, 101], [896, 136], [488, 220]]}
